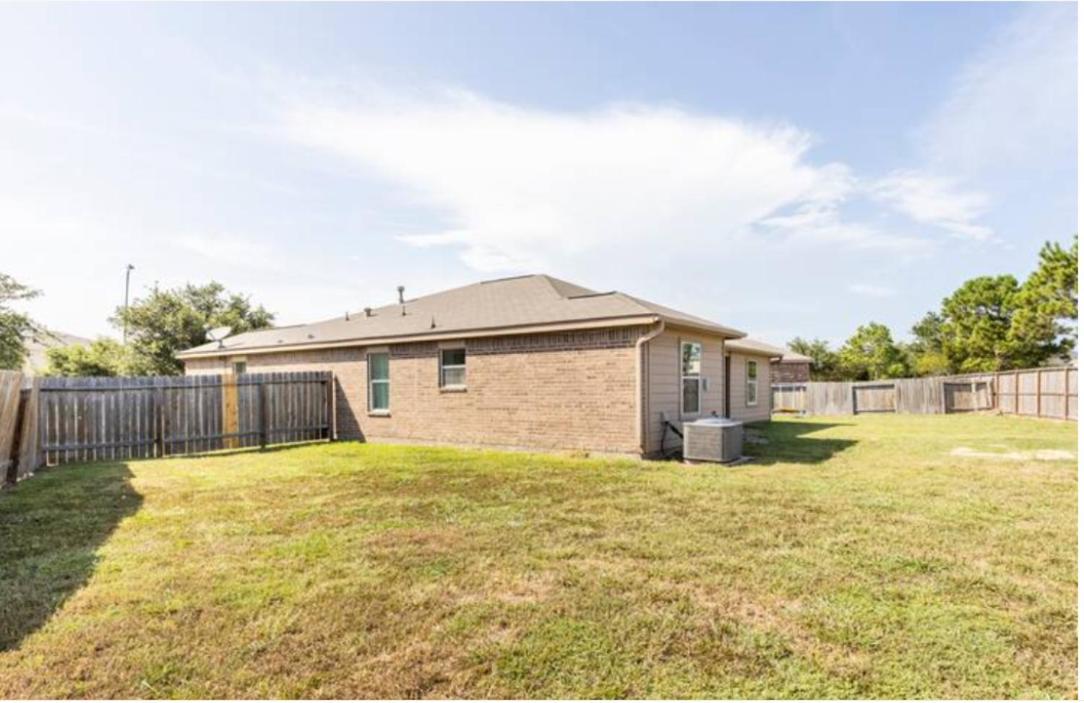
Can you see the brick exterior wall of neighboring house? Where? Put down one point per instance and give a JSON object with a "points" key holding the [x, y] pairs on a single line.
{"points": [[574, 390], [790, 371]]}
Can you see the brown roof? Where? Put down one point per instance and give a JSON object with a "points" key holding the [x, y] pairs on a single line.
{"points": [[755, 346], [796, 358], [497, 307]]}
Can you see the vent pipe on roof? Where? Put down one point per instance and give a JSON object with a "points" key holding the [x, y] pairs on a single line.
{"points": [[433, 323], [347, 315], [400, 289], [368, 312]]}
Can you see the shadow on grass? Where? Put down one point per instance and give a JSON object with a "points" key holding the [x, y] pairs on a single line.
{"points": [[51, 527], [787, 443]]}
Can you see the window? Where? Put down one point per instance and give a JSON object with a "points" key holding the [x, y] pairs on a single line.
{"points": [[379, 383], [239, 367], [690, 378], [751, 382], [453, 368]]}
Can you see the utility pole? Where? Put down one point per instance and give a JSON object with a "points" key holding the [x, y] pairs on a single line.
{"points": [[127, 281]]}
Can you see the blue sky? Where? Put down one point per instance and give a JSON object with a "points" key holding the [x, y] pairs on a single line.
{"points": [[790, 169]]}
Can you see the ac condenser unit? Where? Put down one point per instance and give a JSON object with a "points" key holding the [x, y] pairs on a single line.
{"points": [[714, 439]]}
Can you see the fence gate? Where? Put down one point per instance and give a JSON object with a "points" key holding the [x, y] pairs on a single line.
{"points": [[967, 396], [788, 398], [875, 398]]}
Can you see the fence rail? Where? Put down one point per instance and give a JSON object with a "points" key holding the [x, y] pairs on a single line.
{"points": [[94, 419], [1045, 392]]}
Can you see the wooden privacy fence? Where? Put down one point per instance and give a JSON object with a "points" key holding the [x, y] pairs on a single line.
{"points": [[1047, 392], [95, 419]]}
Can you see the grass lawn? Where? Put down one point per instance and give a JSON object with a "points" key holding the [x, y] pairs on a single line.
{"points": [[855, 558]]}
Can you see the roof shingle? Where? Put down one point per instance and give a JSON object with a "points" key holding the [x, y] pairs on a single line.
{"points": [[522, 301]]}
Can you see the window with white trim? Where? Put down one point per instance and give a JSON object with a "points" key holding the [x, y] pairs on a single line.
{"points": [[690, 377], [239, 367], [751, 382], [379, 382], [453, 368]]}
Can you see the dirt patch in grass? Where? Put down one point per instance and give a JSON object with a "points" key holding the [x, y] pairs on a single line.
{"points": [[1034, 455]]}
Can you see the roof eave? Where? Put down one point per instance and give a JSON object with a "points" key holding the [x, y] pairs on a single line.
{"points": [[725, 332], [622, 321]]}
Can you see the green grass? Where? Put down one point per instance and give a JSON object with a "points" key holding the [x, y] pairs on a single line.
{"points": [[854, 558]]}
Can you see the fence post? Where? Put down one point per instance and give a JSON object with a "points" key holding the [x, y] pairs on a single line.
{"points": [[1016, 392], [230, 422], [158, 449], [332, 420], [21, 414], [262, 392], [1039, 393], [1065, 390]]}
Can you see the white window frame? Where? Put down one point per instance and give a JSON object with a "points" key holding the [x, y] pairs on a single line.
{"points": [[752, 382], [243, 362], [371, 382], [688, 377], [443, 367]]}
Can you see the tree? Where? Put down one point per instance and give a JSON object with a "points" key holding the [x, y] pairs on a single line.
{"points": [[825, 366], [871, 353], [927, 352], [102, 357], [1044, 321], [992, 323], [169, 321], [15, 327], [977, 319]]}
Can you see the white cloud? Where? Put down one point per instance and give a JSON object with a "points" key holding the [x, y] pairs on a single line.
{"points": [[521, 189], [816, 224], [1015, 103], [934, 200], [872, 291], [239, 251]]}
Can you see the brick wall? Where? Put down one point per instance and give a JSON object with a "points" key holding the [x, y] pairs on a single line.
{"points": [[574, 390], [790, 372]]}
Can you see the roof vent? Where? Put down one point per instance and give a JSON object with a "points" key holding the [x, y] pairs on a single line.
{"points": [[368, 312], [400, 289]]}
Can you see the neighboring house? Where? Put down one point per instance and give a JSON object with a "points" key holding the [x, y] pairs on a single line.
{"points": [[792, 368], [525, 362], [39, 344], [787, 366]]}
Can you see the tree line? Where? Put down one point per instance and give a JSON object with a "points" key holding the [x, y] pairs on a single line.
{"points": [[159, 325], [990, 323]]}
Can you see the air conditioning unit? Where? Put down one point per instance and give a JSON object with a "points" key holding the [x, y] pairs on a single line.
{"points": [[716, 439]]}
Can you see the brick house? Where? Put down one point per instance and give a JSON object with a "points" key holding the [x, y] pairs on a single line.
{"points": [[792, 368], [526, 362]]}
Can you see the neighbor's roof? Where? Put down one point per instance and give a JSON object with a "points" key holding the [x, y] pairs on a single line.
{"points": [[504, 305], [795, 358]]}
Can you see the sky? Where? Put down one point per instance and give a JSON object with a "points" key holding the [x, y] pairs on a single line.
{"points": [[785, 169]]}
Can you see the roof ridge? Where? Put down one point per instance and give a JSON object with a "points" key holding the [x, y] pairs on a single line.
{"points": [[509, 278]]}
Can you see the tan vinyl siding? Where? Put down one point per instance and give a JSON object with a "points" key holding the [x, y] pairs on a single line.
{"points": [[739, 410], [663, 383]]}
